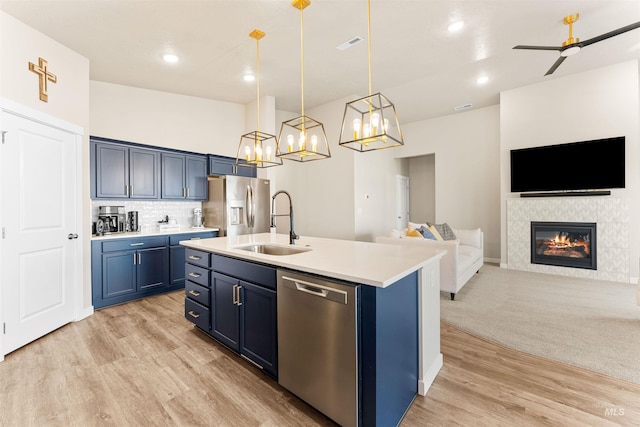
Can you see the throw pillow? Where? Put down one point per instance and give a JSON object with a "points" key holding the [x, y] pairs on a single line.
{"points": [[426, 233], [445, 231], [435, 233], [412, 232]]}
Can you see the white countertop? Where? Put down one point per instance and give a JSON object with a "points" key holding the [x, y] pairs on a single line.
{"points": [[179, 230], [374, 264]]}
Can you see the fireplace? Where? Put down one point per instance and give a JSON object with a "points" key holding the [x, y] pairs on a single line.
{"points": [[565, 244]]}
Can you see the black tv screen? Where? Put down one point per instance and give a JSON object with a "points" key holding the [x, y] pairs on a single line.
{"points": [[586, 165]]}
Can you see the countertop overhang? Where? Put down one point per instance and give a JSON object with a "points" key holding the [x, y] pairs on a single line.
{"points": [[374, 264]]}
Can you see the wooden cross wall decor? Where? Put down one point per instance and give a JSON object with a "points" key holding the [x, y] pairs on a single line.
{"points": [[44, 76]]}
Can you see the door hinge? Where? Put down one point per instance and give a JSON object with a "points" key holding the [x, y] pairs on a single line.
{"points": [[3, 235], [4, 328], [3, 133]]}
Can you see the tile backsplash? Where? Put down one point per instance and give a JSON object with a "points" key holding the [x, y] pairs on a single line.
{"points": [[150, 212]]}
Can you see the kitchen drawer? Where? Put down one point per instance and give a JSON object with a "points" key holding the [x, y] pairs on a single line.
{"points": [[133, 244], [175, 239], [197, 274], [197, 314], [200, 258], [251, 272], [197, 293]]}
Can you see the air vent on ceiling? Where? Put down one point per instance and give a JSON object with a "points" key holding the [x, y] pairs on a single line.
{"points": [[354, 41], [463, 107]]}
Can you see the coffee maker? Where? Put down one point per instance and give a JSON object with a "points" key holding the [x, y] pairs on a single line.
{"points": [[111, 218]]}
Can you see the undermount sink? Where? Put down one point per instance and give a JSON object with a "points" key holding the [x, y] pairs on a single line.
{"points": [[270, 249]]}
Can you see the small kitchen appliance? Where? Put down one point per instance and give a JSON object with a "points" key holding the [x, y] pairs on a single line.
{"points": [[198, 220], [132, 221], [113, 219]]}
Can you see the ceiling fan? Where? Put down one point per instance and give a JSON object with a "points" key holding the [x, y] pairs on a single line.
{"points": [[572, 45]]}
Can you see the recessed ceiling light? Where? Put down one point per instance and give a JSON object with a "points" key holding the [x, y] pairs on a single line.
{"points": [[249, 78], [170, 57], [456, 26], [482, 80]]}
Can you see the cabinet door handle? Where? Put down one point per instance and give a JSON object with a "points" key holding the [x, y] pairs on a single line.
{"points": [[194, 293], [233, 295], [139, 258], [193, 257], [126, 190], [196, 275], [187, 192], [137, 244], [239, 302], [131, 190], [194, 315]]}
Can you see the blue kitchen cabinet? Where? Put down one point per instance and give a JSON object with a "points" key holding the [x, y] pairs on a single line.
{"points": [[220, 165], [184, 176], [225, 319], [177, 254], [242, 307], [124, 269], [122, 172]]}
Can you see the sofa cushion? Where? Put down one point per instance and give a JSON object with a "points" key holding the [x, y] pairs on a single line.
{"points": [[426, 233], [445, 231], [470, 252]]}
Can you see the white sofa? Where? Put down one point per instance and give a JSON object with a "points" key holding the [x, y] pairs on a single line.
{"points": [[463, 259]]}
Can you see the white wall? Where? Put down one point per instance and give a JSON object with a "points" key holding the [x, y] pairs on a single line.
{"points": [[467, 169], [166, 119], [595, 104], [68, 99]]}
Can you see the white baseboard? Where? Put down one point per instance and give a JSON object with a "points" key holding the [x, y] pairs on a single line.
{"points": [[633, 280], [84, 313], [504, 265], [425, 383], [492, 260]]}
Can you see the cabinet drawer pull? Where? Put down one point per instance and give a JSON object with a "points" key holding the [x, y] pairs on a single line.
{"points": [[137, 244], [194, 293], [194, 315], [195, 258], [196, 275]]}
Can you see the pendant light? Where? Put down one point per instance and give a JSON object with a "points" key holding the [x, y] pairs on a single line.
{"points": [[303, 139], [370, 123], [257, 148]]}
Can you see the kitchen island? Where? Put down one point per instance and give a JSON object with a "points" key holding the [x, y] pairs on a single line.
{"points": [[398, 342]]}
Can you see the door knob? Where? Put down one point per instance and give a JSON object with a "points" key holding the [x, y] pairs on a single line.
{"points": [[72, 236]]}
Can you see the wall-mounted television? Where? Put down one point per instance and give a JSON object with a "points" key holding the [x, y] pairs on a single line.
{"points": [[586, 165]]}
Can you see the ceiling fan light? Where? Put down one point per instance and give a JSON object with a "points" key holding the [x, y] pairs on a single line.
{"points": [[570, 51]]}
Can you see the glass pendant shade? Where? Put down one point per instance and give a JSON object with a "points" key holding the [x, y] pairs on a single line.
{"points": [[258, 149], [303, 139], [370, 123]]}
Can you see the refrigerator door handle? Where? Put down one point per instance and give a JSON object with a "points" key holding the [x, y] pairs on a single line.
{"points": [[250, 207]]}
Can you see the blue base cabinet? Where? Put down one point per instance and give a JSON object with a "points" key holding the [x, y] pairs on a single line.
{"points": [[242, 307], [125, 269]]}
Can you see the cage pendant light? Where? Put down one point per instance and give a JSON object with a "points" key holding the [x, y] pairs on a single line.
{"points": [[303, 139], [370, 123], [258, 149]]}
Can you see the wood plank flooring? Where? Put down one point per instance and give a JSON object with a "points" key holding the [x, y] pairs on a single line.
{"points": [[142, 363]]}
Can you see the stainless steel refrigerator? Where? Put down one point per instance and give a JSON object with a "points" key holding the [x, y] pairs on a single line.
{"points": [[237, 205]]}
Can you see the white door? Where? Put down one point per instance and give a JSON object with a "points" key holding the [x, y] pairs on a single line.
{"points": [[39, 223], [402, 202]]}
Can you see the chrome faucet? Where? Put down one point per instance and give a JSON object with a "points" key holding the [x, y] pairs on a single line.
{"points": [[292, 234]]}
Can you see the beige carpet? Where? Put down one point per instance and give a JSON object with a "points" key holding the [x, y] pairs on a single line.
{"points": [[587, 323]]}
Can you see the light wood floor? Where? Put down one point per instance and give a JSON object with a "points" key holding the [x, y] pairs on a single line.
{"points": [[143, 364]]}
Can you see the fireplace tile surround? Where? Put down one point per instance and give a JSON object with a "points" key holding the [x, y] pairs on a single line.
{"points": [[610, 214]]}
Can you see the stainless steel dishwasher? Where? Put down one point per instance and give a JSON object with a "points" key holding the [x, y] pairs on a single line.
{"points": [[317, 344]]}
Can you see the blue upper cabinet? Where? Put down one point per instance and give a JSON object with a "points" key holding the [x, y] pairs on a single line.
{"points": [[122, 172], [184, 176], [220, 165]]}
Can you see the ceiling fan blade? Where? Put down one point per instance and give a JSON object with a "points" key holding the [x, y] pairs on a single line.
{"points": [[538, 47], [610, 34], [555, 65]]}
